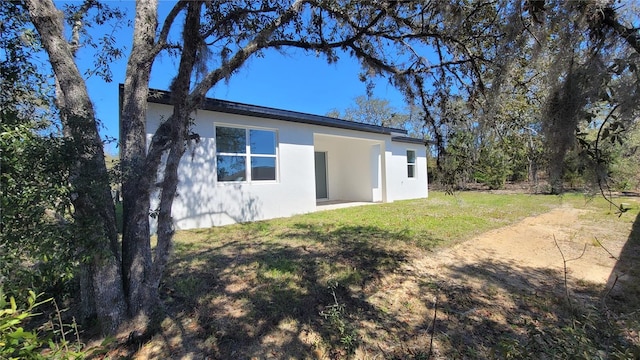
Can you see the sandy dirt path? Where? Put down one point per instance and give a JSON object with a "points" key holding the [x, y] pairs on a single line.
{"points": [[530, 244], [478, 283]]}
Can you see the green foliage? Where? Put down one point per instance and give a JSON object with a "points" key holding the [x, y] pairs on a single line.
{"points": [[492, 169], [15, 342], [35, 231], [48, 342], [376, 111], [605, 155], [35, 245], [342, 333], [623, 168], [458, 160], [555, 69]]}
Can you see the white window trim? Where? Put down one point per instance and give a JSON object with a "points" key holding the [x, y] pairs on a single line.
{"points": [[412, 164], [248, 155]]}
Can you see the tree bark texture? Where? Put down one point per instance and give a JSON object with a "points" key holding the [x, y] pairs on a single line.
{"points": [[179, 135], [94, 211], [136, 180]]}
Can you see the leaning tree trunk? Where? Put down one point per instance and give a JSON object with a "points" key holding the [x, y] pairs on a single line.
{"points": [[178, 135], [94, 212], [142, 273]]}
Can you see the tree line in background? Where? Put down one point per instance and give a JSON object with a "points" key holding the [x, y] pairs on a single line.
{"points": [[511, 149], [505, 90]]}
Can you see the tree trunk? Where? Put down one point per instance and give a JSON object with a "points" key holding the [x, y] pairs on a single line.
{"points": [[94, 212], [136, 180], [179, 129], [138, 276], [141, 166], [556, 170]]}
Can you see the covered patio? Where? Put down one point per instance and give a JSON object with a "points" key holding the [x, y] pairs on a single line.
{"points": [[348, 170]]}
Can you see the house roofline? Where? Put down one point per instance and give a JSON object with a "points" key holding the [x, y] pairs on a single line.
{"points": [[231, 107], [410, 140]]}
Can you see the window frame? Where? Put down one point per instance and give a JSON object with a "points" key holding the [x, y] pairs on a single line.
{"points": [[247, 154], [411, 166]]}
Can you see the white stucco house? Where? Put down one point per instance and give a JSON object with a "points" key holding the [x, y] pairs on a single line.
{"points": [[255, 163]]}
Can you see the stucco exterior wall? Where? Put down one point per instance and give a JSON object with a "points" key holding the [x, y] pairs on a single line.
{"points": [[203, 201], [356, 171], [399, 185]]}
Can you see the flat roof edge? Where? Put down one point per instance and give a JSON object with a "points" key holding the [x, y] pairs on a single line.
{"points": [[231, 107], [410, 140]]}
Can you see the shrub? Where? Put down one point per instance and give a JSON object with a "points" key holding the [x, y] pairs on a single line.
{"points": [[46, 342]]}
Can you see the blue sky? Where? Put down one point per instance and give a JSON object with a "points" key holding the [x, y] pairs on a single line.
{"points": [[294, 81]]}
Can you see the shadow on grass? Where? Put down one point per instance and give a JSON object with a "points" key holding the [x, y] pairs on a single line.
{"points": [[321, 291], [255, 297]]}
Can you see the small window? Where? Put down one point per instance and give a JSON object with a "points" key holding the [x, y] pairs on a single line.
{"points": [[245, 154], [411, 163]]}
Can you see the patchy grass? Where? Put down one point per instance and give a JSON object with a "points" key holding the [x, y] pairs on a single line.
{"points": [[336, 284]]}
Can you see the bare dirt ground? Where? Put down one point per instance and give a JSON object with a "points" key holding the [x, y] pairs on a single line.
{"points": [[489, 292], [530, 244]]}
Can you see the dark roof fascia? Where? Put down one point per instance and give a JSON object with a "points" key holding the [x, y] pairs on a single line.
{"points": [[410, 140], [231, 107]]}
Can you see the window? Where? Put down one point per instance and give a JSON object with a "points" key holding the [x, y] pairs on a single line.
{"points": [[411, 163], [245, 154]]}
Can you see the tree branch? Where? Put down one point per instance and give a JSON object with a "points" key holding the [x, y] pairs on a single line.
{"points": [[621, 209], [178, 133], [161, 43], [259, 42], [77, 23], [323, 45], [630, 35], [236, 14]]}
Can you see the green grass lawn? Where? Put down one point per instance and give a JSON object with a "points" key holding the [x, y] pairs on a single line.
{"points": [[310, 286], [440, 220]]}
